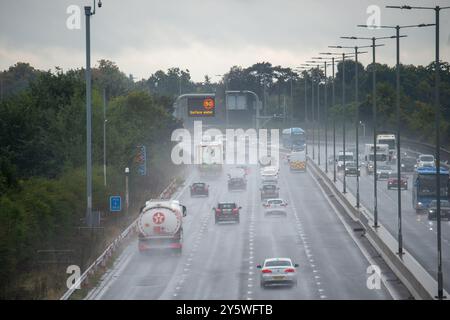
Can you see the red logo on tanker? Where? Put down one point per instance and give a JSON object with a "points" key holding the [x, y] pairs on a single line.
{"points": [[158, 218], [208, 104]]}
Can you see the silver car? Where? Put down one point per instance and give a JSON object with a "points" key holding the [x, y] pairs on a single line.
{"points": [[383, 172], [276, 206], [278, 271]]}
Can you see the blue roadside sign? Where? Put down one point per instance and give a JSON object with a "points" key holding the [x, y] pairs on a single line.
{"points": [[115, 203]]}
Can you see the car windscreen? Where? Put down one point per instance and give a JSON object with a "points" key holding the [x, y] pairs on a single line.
{"points": [[227, 205], [199, 185], [426, 158], [275, 202], [380, 157], [384, 168], [278, 263], [426, 185], [408, 160], [347, 158]]}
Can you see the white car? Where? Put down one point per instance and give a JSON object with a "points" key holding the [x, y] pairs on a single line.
{"points": [[425, 160], [384, 171], [278, 271], [276, 206]]}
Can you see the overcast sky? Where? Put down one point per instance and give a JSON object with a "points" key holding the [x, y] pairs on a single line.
{"points": [[208, 37]]}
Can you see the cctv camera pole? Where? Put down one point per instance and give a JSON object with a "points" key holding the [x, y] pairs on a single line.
{"points": [[313, 116], [399, 190], [334, 125], [88, 13], [374, 115], [344, 190], [104, 136], [326, 119], [127, 195], [318, 117], [357, 126]]}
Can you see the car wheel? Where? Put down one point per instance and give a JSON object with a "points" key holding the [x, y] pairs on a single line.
{"points": [[262, 284], [215, 221]]}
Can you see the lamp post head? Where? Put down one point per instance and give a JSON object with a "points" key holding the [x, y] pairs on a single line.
{"points": [[127, 170]]}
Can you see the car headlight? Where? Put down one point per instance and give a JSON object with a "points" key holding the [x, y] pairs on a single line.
{"points": [[431, 211], [420, 204], [402, 165]]}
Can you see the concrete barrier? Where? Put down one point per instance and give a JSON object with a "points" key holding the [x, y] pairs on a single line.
{"points": [[412, 274]]}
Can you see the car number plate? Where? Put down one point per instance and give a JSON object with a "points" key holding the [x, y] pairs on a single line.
{"points": [[278, 277]]}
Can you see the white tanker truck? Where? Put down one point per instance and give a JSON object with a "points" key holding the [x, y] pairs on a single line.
{"points": [[160, 225]]}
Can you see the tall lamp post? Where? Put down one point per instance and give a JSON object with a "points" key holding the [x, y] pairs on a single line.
{"points": [[104, 136], [88, 13], [357, 113], [374, 119], [318, 112], [437, 106], [127, 192], [344, 55], [333, 103], [399, 198], [326, 108], [305, 73], [312, 107]]}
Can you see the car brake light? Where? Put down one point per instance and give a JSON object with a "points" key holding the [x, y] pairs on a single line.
{"points": [[289, 270], [235, 211], [217, 211], [266, 271]]}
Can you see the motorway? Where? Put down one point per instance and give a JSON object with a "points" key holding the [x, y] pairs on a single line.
{"points": [[219, 261], [419, 234]]}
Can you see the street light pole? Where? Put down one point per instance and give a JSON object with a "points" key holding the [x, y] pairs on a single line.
{"points": [[313, 116], [357, 126], [326, 118], [318, 117], [88, 13], [344, 190], [127, 196], [374, 117], [399, 195], [437, 106], [104, 136], [399, 199], [305, 73], [334, 125], [356, 53]]}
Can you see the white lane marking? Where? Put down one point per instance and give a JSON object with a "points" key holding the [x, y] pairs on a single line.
{"points": [[391, 291], [300, 232]]}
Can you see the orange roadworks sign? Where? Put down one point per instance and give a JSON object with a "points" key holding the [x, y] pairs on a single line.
{"points": [[208, 103], [201, 106]]}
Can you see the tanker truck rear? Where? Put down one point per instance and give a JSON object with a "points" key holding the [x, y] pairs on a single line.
{"points": [[160, 226]]}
